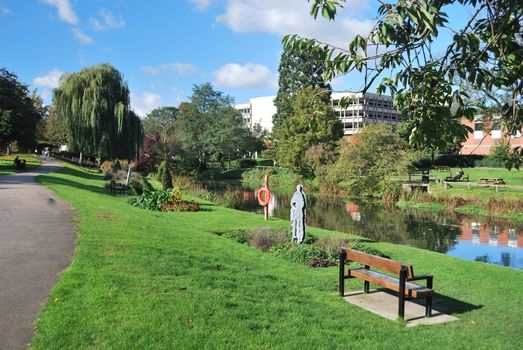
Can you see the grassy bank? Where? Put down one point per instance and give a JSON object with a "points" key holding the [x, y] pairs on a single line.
{"points": [[280, 179], [143, 279], [6, 163], [506, 203], [512, 177]]}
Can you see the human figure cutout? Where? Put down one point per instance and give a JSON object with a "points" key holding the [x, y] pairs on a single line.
{"points": [[298, 207]]}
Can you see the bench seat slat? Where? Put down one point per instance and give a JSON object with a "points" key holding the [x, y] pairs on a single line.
{"points": [[411, 289], [377, 262]]}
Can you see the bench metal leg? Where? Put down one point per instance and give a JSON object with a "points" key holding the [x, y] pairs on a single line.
{"points": [[428, 307], [342, 274], [366, 284], [401, 296]]}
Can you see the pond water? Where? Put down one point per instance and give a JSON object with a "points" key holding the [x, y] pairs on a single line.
{"points": [[495, 241]]}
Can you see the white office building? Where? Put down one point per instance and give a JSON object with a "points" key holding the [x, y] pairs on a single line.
{"points": [[363, 109]]}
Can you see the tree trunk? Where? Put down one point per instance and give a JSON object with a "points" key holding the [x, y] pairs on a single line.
{"points": [[81, 158]]}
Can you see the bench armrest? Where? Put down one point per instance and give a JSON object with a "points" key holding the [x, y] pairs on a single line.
{"points": [[421, 277]]}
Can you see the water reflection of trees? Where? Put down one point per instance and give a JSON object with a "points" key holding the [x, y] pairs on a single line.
{"points": [[428, 230]]}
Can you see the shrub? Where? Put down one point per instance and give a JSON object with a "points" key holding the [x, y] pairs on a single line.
{"points": [[265, 162], [230, 199], [168, 200], [204, 194], [268, 154], [107, 166], [117, 165], [503, 153], [152, 200], [247, 163], [146, 185], [145, 165], [108, 175], [187, 183], [458, 160], [240, 236], [164, 175], [332, 244], [265, 238], [369, 250], [489, 163], [304, 254]]}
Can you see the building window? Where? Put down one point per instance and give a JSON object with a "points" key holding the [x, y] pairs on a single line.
{"points": [[478, 126], [496, 128]]}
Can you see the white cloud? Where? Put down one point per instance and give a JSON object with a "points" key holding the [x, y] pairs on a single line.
{"points": [[202, 5], [49, 81], [107, 22], [251, 75], [65, 11], [82, 37], [146, 102], [173, 67], [5, 11], [293, 17]]}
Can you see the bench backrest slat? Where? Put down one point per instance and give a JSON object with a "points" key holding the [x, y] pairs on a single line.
{"points": [[378, 262]]}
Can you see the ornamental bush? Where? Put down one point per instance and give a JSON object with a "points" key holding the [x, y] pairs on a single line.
{"points": [[165, 200]]}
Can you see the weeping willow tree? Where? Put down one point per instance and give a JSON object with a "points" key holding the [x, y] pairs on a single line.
{"points": [[94, 104]]}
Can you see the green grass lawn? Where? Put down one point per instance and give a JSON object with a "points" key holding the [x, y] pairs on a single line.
{"points": [[6, 163], [512, 177], [152, 280]]}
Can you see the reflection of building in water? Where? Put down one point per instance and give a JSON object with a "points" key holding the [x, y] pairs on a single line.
{"points": [[273, 204], [248, 196], [512, 238], [492, 235], [354, 211]]}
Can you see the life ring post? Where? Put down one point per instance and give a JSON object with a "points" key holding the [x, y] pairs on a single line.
{"points": [[264, 197]]}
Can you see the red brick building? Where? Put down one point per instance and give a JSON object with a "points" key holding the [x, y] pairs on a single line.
{"points": [[486, 135]]}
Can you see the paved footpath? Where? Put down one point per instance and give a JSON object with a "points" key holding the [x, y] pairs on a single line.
{"points": [[36, 244]]}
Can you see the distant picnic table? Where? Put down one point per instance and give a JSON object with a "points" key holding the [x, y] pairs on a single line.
{"points": [[491, 180]]}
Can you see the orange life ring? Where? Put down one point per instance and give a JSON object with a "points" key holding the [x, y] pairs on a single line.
{"points": [[264, 199]]}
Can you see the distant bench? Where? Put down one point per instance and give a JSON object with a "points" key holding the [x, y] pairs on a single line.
{"points": [[19, 164], [460, 176], [491, 180], [402, 285], [118, 187]]}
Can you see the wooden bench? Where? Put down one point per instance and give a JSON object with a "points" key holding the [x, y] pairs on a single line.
{"points": [[118, 187], [402, 284], [491, 180], [457, 178]]}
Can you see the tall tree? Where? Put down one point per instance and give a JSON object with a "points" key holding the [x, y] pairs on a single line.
{"points": [[208, 123], [54, 129], [371, 159], [298, 69], [486, 52], [162, 122], [226, 135], [94, 104], [20, 112], [313, 122]]}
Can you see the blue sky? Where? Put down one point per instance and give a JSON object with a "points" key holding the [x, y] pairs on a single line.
{"points": [[163, 47]]}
